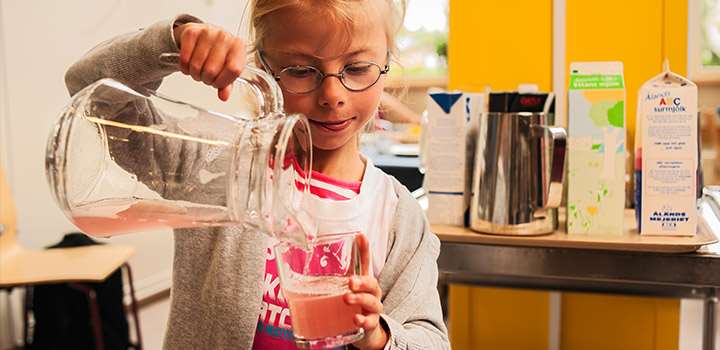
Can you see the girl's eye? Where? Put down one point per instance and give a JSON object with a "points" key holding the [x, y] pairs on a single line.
{"points": [[358, 69], [300, 72]]}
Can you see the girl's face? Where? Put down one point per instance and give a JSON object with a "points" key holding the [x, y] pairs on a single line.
{"points": [[305, 38]]}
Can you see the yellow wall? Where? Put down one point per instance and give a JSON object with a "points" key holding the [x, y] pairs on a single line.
{"points": [[504, 43], [599, 322], [496, 318], [640, 33], [500, 43], [675, 34]]}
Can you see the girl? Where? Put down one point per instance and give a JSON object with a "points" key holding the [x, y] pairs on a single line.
{"points": [[330, 58]]}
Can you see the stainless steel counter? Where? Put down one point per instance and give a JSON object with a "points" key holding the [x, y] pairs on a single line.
{"points": [[691, 275]]}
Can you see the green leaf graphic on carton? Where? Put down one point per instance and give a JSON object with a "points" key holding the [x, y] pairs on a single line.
{"points": [[599, 113], [608, 113], [616, 114]]}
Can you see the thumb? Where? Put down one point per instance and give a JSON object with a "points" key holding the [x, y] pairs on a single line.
{"points": [[224, 93]]}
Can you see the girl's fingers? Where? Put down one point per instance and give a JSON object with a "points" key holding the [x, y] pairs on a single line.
{"points": [[211, 55], [365, 284], [233, 65], [201, 52], [189, 38], [368, 322], [367, 302], [224, 93], [215, 62]]}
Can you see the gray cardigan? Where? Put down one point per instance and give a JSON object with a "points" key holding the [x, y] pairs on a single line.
{"points": [[216, 293]]}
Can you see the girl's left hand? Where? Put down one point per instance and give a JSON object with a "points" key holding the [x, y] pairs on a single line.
{"points": [[366, 293]]}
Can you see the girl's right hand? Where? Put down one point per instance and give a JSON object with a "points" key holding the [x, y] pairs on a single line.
{"points": [[211, 55]]}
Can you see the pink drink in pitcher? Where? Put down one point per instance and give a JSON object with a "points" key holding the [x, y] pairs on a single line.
{"points": [[316, 316], [114, 216]]}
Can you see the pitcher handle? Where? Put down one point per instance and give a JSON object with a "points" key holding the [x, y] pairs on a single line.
{"points": [[255, 79], [553, 186]]}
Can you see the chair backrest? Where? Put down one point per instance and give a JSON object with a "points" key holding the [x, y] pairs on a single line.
{"points": [[8, 216]]}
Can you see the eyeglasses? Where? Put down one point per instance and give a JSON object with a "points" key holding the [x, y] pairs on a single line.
{"points": [[356, 76]]}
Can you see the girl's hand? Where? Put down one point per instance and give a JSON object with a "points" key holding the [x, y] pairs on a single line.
{"points": [[211, 55], [365, 292]]}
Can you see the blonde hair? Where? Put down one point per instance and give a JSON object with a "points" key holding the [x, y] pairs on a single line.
{"points": [[340, 11]]}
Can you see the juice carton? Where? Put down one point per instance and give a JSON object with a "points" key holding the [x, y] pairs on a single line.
{"points": [[447, 149], [668, 123], [596, 148]]}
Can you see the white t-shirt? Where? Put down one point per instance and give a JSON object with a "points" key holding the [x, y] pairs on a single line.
{"points": [[370, 211]]}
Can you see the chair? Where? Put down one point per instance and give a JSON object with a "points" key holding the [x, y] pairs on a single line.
{"points": [[77, 266]]}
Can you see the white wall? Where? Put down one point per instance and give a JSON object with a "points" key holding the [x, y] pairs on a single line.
{"points": [[42, 39], [4, 122]]}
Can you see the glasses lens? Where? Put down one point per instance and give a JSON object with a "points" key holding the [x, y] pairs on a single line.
{"points": [[361, 75], [302, 79], [299, 79]]}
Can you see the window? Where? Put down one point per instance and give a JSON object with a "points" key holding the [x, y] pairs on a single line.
{"points": [[704, 43], [422, 42]]}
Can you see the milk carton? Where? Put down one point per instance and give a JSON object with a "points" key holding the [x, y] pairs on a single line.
{"points": [[596, 148], [447, 153], [668, 123]]}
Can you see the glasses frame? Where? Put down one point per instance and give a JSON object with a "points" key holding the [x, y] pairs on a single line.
{"points": [[340, 75]]}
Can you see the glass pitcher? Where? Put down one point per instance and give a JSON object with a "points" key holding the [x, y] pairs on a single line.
{"points": [[124, 159]]}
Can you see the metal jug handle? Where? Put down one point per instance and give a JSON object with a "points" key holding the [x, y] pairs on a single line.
{"points": [[255, 79], [553, 187]]}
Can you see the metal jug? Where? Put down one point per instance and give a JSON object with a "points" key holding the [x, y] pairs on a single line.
{"points": [[518, 174]]}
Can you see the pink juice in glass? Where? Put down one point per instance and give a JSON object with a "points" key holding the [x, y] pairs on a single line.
{"points": [[316, 316], [116, 216], [317, 307]]}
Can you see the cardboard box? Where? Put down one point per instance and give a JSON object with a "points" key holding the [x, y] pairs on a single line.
{"points": [[596, 148], [447, 153], [668, 121]]}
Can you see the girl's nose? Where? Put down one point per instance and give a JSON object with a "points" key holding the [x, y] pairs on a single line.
{"points": [[331, 93]]}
